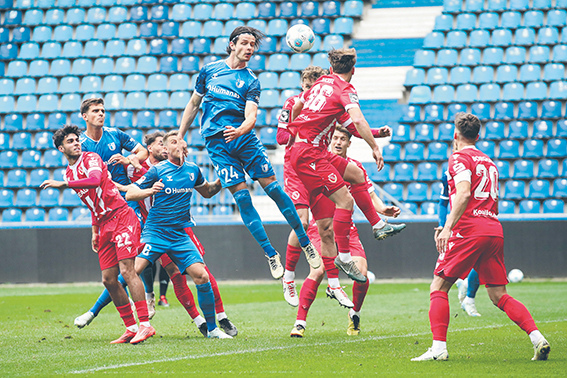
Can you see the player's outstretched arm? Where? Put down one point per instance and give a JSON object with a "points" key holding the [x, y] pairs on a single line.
{"points": [[95, 238], [381, 208], [135, 193], [189, 114], [460, 203], [92, 181], [296, 110], [209, 189], [250, 112], [364, 129], [53, 184]]}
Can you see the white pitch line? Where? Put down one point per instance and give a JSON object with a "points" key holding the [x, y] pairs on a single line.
{"points": [[257, 350]]}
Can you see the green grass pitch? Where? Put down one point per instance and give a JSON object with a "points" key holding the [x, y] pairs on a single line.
{"points": [[38, 337]]}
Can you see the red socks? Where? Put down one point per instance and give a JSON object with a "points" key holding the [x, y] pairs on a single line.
{"points": [[341, 225], [142, 310], [359, 291], [307, 295], [364, 202], [291, 257], [184, 295], [127, 315], [218, 301], [330, 268], [518, 313], [439, 315]]}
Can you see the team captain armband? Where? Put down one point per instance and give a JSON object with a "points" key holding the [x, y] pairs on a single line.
{"points": [[458, 169]]}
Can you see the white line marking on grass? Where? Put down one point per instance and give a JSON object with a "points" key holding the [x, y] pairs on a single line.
{"points": [[268, 349]]}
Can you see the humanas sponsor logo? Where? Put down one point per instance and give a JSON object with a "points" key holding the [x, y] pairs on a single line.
{"points": [[219, 90], [484, 213], [177, 190]]}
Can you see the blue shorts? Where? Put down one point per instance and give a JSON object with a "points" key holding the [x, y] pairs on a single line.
{"points": [[245, 153], [182, 251]]}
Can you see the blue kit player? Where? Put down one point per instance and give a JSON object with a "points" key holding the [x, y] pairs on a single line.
{"points": [[466, 288], [171, 183], [229, 94], [108, 143]]}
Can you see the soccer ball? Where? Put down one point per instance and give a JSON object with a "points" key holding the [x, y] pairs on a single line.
{"points": [[371, 276], [515, 276], [300, 38]]}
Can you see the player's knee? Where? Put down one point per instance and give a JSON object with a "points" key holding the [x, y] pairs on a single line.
{"points": [[305, 225], [200, 277], [110, 281]]}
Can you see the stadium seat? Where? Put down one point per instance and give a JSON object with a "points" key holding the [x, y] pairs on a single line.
{"points": [[105, 32], [443, 22], [542, 129], [16, 178], [43, 140], [437, 151], [411, 113], [482, 74], [497, 5], [11, 215], [52, 159], [515, 55], [518, 130], [524, 37], [523, 169], [21, 141], [443, 94], [494, 130], [446, 131], [437, 76], [460, 75], [58, 214], [12, 122], [400, 133], [35, 215], [547, 168], [539, 54], [70, 198], [559, 53], [420, 94], [426, 172], [37, 176], [551, 110], [7, 103], [529, 207], [391, 152], [179, 99], [414, 152], [558, 90], [417, 192], [514, 189], [428, 208], [299, 62], [434, 40], [503, 111], [510, 20], [424, 58], [533, 149], [527, 110], [561, 128], [559, 188], [556, 148], [36, 121], [539, 189], [424, 132], [278, 62], [487, 147], [501, 38], [447, 57], [488, 20], [466, 93], [146, 119], [503, 169], [393, 189], [557, 17], [403, 172], [434, 113], [27, 197], [506, 73], [136, 47], [6, 198], [23, 86], [30, 159], [268, 136], [454, 109], [547, 36], [491, 92], [552, 206]]}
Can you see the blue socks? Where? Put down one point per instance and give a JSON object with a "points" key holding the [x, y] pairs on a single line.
{"points": [[473, 284], [147, 277], [252, 221], [207, 304], [104, 298], [287, 208]]}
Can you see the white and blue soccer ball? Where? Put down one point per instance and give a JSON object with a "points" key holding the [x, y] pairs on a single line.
{"points": [[515, 276], [300, 38], [371, 276]]}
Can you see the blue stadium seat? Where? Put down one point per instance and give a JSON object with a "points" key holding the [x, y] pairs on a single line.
{"points": [[515, 55], [179, 99], [446, 131], [518, 130], [16, 178], [417, 192], [434, 40], [12, 122], [157, 82], [7, 103], [268, 136], [146, 119], [269, 98], [428, 208], [558, 90], [309, 9], [494, 130], [47, 85], [411, 113], [127, 30], [48, 198], [115, 48], [91, 84], [403, 172], [556, 148], [23, 86], [268, 80], [8, 159], [437, 76], [288, 9], [559, 188], [70, 102], [510, 20], [196, 139], [557, 17], [299, 62], [391, 152], [343, 25], [395, 190], [11, 215], [543, 129], [503, 168], [427, 172], [70, 198], [43, 140], [69, 84], [452, 6], [125, 65], [490, 92], [113, 83], [180, 82], [29, 51], [135, 100], [466, 21], [466, 93], [530, 72], [80, 67], [424, 58], [245, 11], [527, 110], [481, 110], [443, 22], [547, 168], [488, 20], [191, 29], [289, 80], [523, 169], [479, 38], [375, 175], [529, 207], [561, 128], [114, 101], [533, 19], [414, 152], [415, 76], [547, 36], [453, 109], [533, 149], [35, 215], [460, 75], [434, 113], [552, 206], [539, 54], [420, 94], [167, 118], [30, 159], [85, 33], [47, 103], [488, 147], [506, 73], [474, 5], [559, 53], [34, 121], [32, 17], [524, 37], [58, 214], [201, 46], [503, 111], [493, 56], [267, 10], [158, 47], [539, 189], [191, 63], [447, 57], [124, 119], [136, 47], [213, 28], [514, 189], [278, 62], [27, 197], [482, 74], [424, 132], [41, 34], [512, 92], [181, 12], [400, 133], [8, 51], [6, 198], [158, 100], [437, 151], [553, 71], [21, 141], [501, 37], [37, 176], [140, 13], [21, 35], [105, 32]]}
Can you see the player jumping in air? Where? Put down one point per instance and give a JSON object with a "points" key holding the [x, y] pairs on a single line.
{"points": [[339, 145], [230, 94], [322, 172], [171, 183], [472, 238], [115, 229]]}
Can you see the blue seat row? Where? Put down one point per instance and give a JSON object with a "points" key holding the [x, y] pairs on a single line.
{"points": [[492, 20], [529, 149], [456, 6], [45, 198], [32, 159], [526, 169], [550, 206], [536, 189], [485, 74], [493, 56], [414, 191], [56, 214], [498, 37], [415, 151], [489, 92], [40, 121], [24, 141]]}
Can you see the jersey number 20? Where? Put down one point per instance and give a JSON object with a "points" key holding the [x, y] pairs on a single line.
{"points": [[488, 183]]}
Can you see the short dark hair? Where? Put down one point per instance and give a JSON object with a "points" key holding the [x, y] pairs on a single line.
{"points": [[169, 135], [313, 73], [344, 130], [62, 133], [342, 60], [86, 104], [151, 138], [239, 30], [468, 125]]}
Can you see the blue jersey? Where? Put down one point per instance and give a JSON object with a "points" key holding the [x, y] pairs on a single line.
{"points": [[171, 210], [225, 92], [444, 195], [112, 142]]}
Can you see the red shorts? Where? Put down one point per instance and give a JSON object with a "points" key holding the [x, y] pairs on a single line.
{"points": [[294, 187], [321, 207], [483, 253], [319, 170], [119, 238], [356, 248]]}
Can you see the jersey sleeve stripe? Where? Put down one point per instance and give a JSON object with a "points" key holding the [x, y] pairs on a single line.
{"points": [[350, 106]]}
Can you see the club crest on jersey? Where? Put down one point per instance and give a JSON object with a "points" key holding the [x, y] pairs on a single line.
{"points": [[130, 228], [353, 97], [239, 83], [191, 176], [214, 76], [332, 178], [295, 195], [312, 165], [112, 146]]}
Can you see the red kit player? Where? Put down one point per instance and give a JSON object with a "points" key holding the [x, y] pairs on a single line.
{"points": [[115, 229], [472, 238]]}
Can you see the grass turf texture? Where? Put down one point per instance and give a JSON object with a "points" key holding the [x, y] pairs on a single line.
{"points": [[39, 338]]}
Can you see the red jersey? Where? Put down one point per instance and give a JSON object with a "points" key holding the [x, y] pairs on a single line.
{"points": [[103, 199], [324, 104], [481, 214], [133, 175], [369, 184]]}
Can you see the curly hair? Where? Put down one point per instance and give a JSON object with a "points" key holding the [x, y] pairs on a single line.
{"points": [[60, 134]]}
